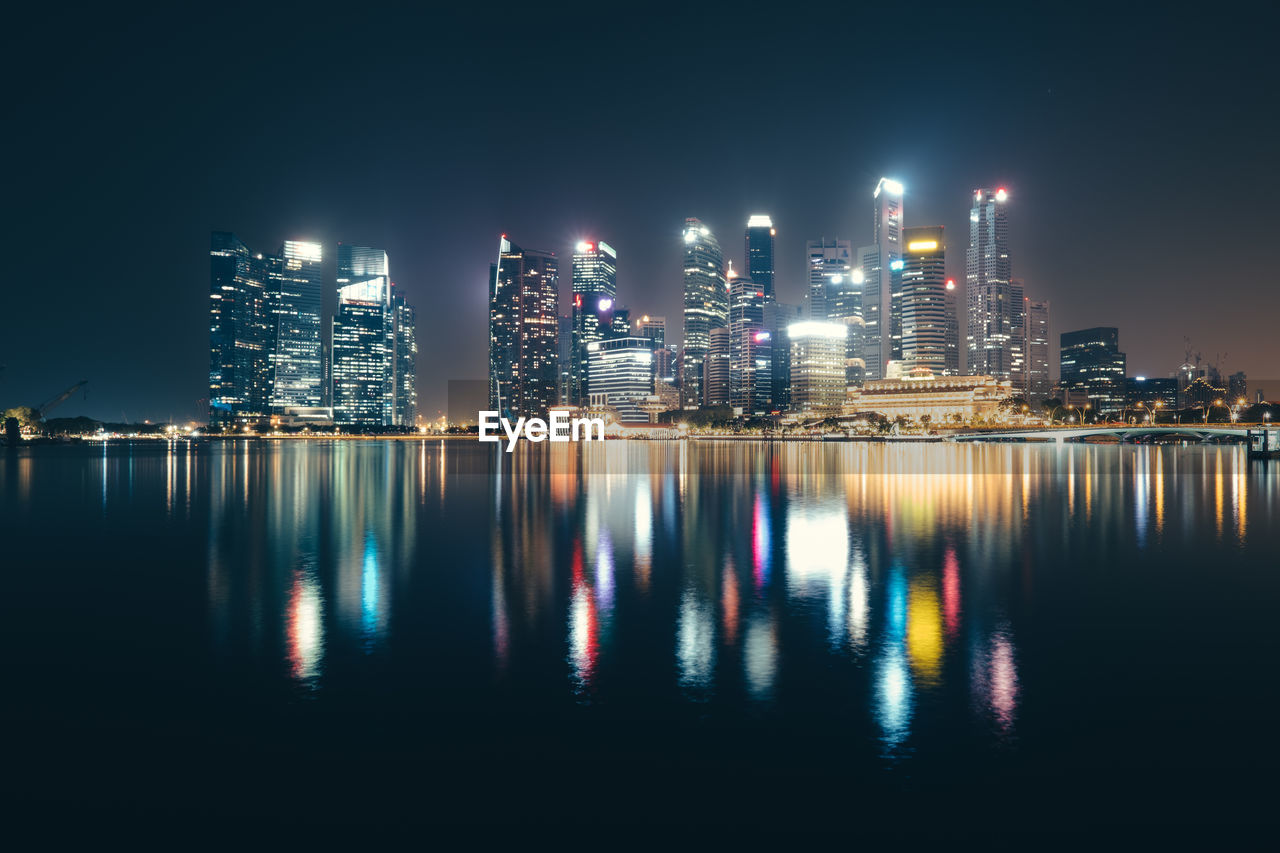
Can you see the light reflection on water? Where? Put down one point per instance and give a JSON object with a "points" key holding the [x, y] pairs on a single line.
{"points": [[891, 581]]}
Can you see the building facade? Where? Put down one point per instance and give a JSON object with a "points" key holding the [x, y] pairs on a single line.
{"points": [[523, 331], [750, 349], [405, 383], [875, 260], [921, 395], [296, 298], [1037, 386], [717, 368], [760, 241], [622, 375], [241, 335], [706, 305], [1091, 363], [595, 290], [922, 283], [817, 367], [995, 326]]}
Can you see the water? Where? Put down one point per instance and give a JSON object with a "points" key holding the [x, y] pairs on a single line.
{"points": [[884, 640]]}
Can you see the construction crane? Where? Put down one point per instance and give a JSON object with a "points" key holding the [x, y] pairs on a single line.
{"points": [[50, 405]]}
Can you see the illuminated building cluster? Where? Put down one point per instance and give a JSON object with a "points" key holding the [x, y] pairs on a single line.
{"points": [[270, 361]]}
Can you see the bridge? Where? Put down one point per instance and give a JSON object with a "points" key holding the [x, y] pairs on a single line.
{"points": [[1121, 433]]}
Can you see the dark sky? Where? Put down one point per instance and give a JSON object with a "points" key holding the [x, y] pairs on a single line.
{"points": [[1138, 145]]}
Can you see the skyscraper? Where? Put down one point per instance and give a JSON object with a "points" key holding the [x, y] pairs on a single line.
{"points": [[240, 332], [923, 298], [836, 285], [405, 407], [595, 290], [874, 260], [760, 238], [706, 304], [295, 294], [622, 372], [363, 353], [1036, 351], [1091, 362], [653, 328], [523, 331], [995, 327], [777, 317], [953, 360], [717, 368], [817, 367], [750, 348]]}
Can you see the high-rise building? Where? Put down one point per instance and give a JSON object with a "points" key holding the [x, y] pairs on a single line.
{"points": [[995, 325], [817, 367], [620, 327], [1091, 362], [874, 260], [750, 348], [717, 368], [363, 352], [922, 278], [405, 406], [653, 328], [296, 298], [241, 334], [1038, 386], [565, 369], [523, 328], [595, 290], [778, 316], [760, 239], [835, 287], [374, 345], [706, 305], [621, 369], [953, 361]]}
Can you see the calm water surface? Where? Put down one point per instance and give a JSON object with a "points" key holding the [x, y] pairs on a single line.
{"points": [[873, 638]]}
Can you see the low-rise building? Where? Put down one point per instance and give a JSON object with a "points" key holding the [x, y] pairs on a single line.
{"points": [[920, 393]]}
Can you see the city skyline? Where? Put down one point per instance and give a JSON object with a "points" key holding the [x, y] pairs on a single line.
{"points": [[1073, 153]]}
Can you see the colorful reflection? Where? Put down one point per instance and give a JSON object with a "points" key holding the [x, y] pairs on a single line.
{"points": [[889, 580]]}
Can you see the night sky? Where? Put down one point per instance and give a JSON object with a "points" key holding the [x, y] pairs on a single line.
{"points": [[1138, 148]]}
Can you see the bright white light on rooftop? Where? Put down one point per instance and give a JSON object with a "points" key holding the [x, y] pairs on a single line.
{"points": [[817, 329], [759, 220]]}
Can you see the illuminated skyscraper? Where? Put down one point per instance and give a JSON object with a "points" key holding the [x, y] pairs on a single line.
{"points": [[750, 348], [1036, 351], [923, 297], [405, 319], [995, 328], [877, 308], [523, 331], [295, 294], [653, 328], [706, 304], [760, 239], [817, 367], [717, 368], [622, 371], [953, 360], [240, 332], [372, 344], [1091, 362], [777, 317], [595, 290], [835, 294]]}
